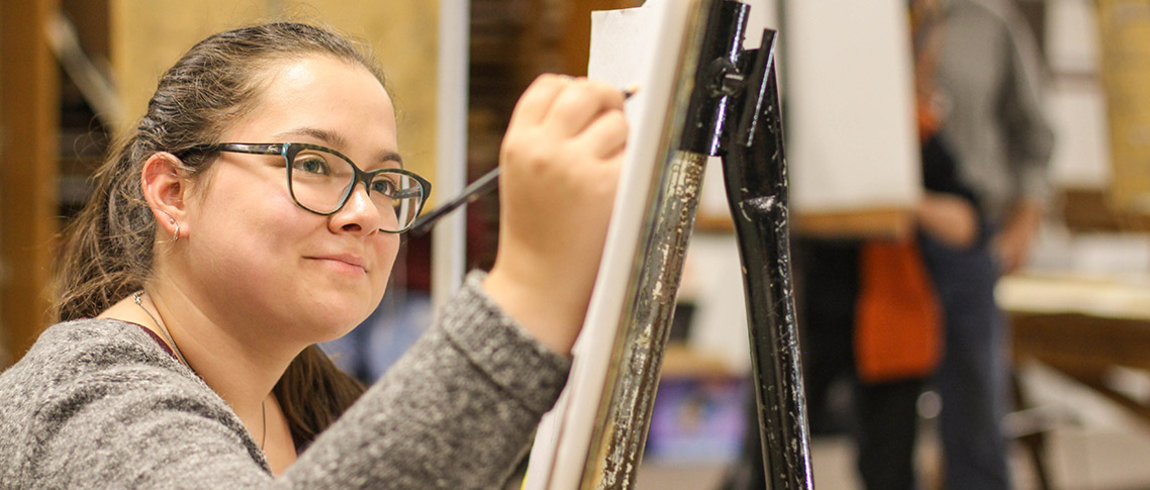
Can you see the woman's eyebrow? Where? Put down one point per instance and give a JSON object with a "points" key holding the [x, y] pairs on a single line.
{"points": [[337, 141], [389, 156], [328, 138]]}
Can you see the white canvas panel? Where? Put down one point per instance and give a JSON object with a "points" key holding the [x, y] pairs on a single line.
{"points": [[849, 105], [1081, 158]]}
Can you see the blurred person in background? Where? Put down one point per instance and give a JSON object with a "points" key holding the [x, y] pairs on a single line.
{"points": [[898, 315], [990, 81]]}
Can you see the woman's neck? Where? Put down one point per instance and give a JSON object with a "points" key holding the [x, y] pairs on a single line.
{"points": [[243, 371]]}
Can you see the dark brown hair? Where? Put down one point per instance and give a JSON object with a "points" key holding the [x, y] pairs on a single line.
{"points": [[108, 249]]}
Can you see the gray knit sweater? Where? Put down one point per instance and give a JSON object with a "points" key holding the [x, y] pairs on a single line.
{"points": [[99, 404], [995, 123]]}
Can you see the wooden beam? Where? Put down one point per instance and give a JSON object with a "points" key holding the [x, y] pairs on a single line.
{"points": [[888, 223], [29, 120]]}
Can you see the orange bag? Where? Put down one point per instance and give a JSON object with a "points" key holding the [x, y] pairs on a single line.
{"points": [[898, 319]]}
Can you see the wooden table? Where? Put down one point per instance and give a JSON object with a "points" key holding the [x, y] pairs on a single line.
{"points": [[1082, 326]]}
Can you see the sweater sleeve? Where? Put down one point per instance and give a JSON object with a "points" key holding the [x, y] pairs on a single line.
{"points": [[1029, 135], [458, 411]]}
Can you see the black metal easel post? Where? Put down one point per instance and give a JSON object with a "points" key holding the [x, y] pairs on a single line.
{"points": [[756, 179]]}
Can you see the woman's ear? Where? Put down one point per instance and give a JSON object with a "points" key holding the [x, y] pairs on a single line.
{"points": [[166, 191]]}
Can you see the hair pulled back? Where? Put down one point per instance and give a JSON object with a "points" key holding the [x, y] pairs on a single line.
{"points": [[109, 247]]}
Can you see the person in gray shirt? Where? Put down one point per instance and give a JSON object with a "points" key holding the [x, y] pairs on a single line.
{"points": [[991, 77], [993, 120], [255, 211]]}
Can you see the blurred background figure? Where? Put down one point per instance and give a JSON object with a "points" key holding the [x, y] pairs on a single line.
{"points": [[898, 317], [989, 76]]}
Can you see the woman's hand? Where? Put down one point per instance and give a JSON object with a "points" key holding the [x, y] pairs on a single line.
{"points": [[560, 165], [948, 218], [1013, 243]]}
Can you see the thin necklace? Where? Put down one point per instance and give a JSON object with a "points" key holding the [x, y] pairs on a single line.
{"points": [[263, 404]]}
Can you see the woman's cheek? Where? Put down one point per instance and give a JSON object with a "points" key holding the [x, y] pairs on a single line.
{"points": [[386, 252]]}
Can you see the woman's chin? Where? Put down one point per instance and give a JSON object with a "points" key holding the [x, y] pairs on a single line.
{"points": [[336, 326], [323, 317], [340, 332]]}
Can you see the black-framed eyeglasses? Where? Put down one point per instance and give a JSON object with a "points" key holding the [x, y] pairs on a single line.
{"points": [[321, 181]]}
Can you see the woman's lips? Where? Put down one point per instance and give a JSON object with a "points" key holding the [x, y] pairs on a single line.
{"points": [[343, 262]]}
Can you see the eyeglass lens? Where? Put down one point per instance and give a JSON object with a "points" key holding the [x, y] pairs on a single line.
{"points": [[321, 182]]}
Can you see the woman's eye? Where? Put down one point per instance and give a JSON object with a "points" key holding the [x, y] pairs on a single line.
{"points": [[384, 186], [311, 165]]}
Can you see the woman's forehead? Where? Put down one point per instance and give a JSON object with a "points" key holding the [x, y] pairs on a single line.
{"points": [[328, 100], [303, 74]]}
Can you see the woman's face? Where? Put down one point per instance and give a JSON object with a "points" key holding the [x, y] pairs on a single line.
{"points": [[253, 256]]}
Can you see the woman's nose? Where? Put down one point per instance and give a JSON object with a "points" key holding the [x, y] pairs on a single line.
{"points": [[358, 215]]}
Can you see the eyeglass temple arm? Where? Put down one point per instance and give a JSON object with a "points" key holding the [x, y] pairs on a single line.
{"points": [[410, 192], [482, 186]]}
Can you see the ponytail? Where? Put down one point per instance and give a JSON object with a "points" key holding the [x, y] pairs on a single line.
{"points": [[312, 396], [107, 251]]}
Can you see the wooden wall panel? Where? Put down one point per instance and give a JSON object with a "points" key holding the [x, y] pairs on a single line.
{"points": [[404, 35], [148, 36], [1125, 32], [29, 105]]}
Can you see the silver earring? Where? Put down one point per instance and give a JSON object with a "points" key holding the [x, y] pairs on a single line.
{"points": [[177, 233]]}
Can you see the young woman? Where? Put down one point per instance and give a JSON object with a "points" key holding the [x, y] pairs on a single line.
{"points": [[256, 211]]}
